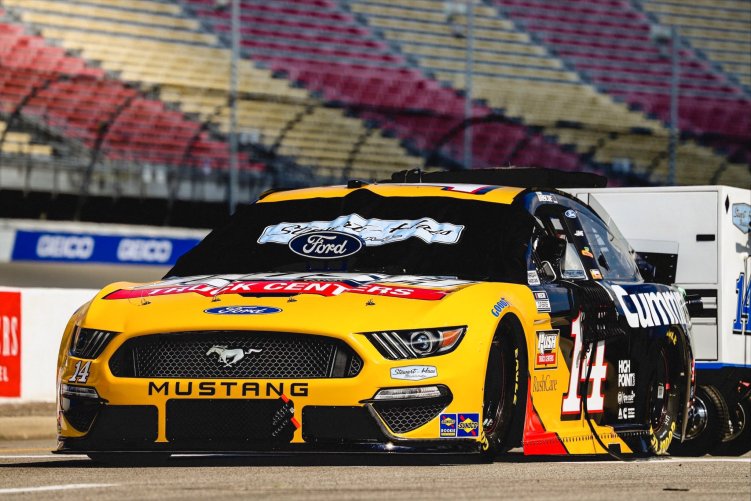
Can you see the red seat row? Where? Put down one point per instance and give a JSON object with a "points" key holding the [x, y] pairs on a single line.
{"points": [[79, 101]]}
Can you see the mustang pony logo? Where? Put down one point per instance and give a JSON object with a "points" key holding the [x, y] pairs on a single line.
{"points": [[230, 357]]}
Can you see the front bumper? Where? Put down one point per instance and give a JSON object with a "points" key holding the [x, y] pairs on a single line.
{"points": [[110, 413]]}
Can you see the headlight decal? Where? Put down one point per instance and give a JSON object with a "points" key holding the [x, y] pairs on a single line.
{"points": [[89, 343], [417, 343]]}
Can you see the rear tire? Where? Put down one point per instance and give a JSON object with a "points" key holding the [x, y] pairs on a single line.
{"points": [[707, 423], [741, 443], [502, 375]]}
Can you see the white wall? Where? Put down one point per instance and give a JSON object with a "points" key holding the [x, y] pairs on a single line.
{"points": [[44, 314]]}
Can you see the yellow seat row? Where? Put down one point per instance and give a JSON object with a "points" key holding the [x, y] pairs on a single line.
{"points": [[479, 56], [687, 10], [106, 13], [45, 19], [503, 46]]}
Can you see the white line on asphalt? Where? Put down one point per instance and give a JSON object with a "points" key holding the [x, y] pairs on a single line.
{"points": [[43, 456], [21, 490], [666, 460]]}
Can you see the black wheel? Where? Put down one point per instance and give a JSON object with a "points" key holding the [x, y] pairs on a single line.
{"points": [[739, 442], [501, 385], [708, 418], [663, 400], [130, 458]]}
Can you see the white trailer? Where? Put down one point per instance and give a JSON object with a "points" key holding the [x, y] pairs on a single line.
{"points": [[698, 238]]}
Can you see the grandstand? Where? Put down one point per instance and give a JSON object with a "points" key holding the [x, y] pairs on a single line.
{"points": [[131, 98]]}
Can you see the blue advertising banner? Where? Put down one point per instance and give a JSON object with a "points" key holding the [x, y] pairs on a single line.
{"points": [[95, 248]]}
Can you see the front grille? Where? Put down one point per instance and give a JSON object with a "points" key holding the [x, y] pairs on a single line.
{"points": [[246, 355], [227, 421], [402, 417]]}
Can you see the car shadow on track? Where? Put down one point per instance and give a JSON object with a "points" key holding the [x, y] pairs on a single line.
{"points": [[309, 459]]}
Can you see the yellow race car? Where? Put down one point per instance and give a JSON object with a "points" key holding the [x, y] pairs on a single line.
{"points": [[427, 315]]}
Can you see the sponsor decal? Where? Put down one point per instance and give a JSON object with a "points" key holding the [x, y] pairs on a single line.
{"points": [[742, 305], [243, 310], [628, 398], [215, 287], [542, 301], [80, 372], [587, 252], [532, 278], [742, 217], [242, 389], [447, 425], [468, 425], [544, 383], [596, 275], [626, 378], [10, 344], [373, 232], [571, 403], [414, 372], [325, 245], [547, 348], [578, 233], [571, 214], [230, 356], [650, 309], [626, 413], [498, 307], [96, 248], [472, 189], [546, 197]]}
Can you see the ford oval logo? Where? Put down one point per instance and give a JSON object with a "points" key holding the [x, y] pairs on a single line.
{"points": [[325, 245], [242, 310]]}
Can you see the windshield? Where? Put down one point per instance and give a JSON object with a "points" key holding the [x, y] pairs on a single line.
{"points": [[435, 236]]}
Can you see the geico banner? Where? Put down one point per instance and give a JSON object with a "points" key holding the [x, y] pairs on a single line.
{"points": [[10, 344], [95, 248]]}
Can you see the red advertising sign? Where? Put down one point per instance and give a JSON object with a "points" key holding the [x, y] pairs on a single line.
{"points": [[10, 344]]}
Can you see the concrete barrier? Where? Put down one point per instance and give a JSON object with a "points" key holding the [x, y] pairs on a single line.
{"points": [[32, 321]]}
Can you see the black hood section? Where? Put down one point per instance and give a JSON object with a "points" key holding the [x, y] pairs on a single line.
{"points": [[492, 245]]}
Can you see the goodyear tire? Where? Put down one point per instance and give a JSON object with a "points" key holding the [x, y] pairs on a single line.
{"points": [[130, 458], [707, 424], [502, 375], [663, 398], [740, 443]]}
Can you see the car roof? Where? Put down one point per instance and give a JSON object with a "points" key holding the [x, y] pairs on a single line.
{"points": [[480, 193]]}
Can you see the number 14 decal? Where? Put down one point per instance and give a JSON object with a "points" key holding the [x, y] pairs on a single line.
{"points": [[81, 373], [572, 399]]}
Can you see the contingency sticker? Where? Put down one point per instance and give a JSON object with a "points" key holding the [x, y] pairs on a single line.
{"points": [[542, 301], [547, 350], [373, 232], [468, 425], [447, 425]]}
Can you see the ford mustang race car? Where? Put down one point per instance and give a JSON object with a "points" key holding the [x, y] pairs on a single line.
{"points": [[425, 315]]}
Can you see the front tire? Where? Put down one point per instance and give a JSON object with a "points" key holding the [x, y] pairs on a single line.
{"points": [[501, 389], [663, 400]]}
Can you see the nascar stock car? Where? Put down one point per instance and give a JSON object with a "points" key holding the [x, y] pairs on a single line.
{"points": [[423, 315]]}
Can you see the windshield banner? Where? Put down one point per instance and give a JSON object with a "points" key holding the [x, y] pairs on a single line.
{"points": [[372, 231]]}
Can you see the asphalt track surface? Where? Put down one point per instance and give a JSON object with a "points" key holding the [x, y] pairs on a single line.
{"points": [[28, 470]]}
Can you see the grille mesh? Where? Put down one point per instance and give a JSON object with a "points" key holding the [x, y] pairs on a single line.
{"points": [[402, 417], [224, 419], [246, 355]]}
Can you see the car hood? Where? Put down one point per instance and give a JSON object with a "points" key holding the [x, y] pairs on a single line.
{"points": [[315, 303]]}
